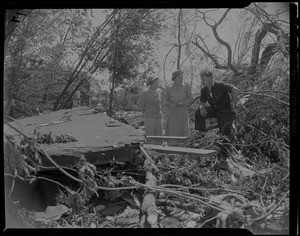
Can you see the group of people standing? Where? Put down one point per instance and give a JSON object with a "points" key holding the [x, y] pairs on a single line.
{"points": [[221, 97]]}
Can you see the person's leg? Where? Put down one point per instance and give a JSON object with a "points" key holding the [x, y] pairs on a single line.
{"points": [[158, 131], [225, 120], [200, 120], [173, 125], [149, 128]]}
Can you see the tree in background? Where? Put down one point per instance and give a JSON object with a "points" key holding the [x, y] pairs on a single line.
{"points": [[37, 57], [132, 47], [60, 46]]}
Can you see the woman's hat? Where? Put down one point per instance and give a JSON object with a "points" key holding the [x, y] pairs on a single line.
{"points": [[176, 74], [151, 80]]}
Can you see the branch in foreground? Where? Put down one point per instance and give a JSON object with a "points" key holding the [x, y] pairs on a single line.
{"points": [[44, 152], [269, 96]]}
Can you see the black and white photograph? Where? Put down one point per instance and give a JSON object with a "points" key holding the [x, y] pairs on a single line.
{"points": [[149, 118]]}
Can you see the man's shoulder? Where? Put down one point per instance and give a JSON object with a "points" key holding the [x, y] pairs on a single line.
{"points": [[221, 84], [218, 83]]}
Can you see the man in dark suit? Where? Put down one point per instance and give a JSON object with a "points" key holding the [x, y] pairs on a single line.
{"points": [[222, 98]]}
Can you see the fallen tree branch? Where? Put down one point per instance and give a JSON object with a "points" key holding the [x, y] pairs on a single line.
{"points": [[266, 95], [273, 209], [38, 177], [148, 206], [61, 169], [46, 155], [200, 226], [151, 162], [181, 194]]}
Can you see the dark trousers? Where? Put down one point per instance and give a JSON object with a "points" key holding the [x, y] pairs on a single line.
{"points": [[224, 117]]}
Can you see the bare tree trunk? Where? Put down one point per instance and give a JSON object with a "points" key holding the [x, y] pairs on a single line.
{"points": [[192, 72], [266, 56], [11, 20], [221, 41], [267, 53], [260, 34], [111, 95], [81, 63], [113, 78], [71, 79], [164, 66], [71, 95], [179, 42]]}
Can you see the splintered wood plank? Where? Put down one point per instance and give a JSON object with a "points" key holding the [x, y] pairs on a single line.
{"points": [[167, 137], [181, 150]]}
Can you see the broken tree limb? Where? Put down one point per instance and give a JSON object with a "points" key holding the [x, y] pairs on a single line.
{"points": [[148, 207], [150, 161], [149, 202], [181, 194], [46, 155], [273, 209]]}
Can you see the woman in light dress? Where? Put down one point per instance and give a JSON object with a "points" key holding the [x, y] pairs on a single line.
{"points": [[150, 100], [178, 97]]}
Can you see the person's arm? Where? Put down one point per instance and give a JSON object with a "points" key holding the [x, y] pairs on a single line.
{"points": [[202, 99], [202, 105], [168, 98], [234, 94], [233, 91], [142, 101]]}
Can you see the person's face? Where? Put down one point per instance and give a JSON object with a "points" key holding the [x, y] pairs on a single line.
{"points": [[206, 80], [179, 79]]}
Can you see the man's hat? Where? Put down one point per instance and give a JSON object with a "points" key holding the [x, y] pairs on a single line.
{"points": [[176, 74], [151, 80]]}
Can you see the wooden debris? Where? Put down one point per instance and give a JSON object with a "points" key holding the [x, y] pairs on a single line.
{"points": [[167, 137], [181, 150]]}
